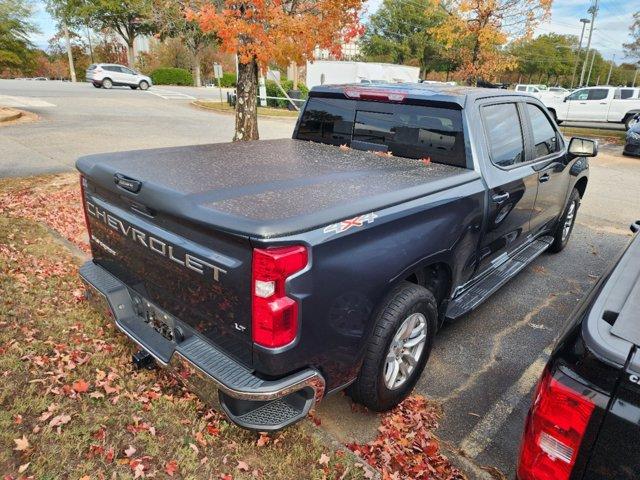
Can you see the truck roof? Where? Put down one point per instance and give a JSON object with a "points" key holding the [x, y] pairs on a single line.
{"points": [[422, 92]]}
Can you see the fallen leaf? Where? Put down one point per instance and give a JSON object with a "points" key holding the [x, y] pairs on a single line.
{"points": [[59, 420], [426, 160], [22, 444], [324, 459], [80, 386], [242, 466], [129, 451], [23, 468], [171, 467]]}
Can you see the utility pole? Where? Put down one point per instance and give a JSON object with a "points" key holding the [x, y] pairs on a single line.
{"points": [[593, 10], [90, 46], [72, 70], [584, 22], [593, 57], [611, 68]]}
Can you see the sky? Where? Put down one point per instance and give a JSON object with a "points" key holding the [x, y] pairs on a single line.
{"points": [[612, 23]]}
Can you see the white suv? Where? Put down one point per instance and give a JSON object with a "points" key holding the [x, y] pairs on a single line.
{"points": [[107, 75]]}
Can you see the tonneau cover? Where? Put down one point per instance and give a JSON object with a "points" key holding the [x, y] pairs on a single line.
{"points": [[612, 328], [269, 188]]}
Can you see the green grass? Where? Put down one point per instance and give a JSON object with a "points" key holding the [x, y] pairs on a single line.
{"points": [[262, 111], [615, 136]]}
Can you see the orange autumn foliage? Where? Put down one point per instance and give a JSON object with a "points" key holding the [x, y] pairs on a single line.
{"points": [[475, 31], [280, 31]]}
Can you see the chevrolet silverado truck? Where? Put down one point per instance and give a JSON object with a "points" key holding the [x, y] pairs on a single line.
{"points": [[269, 274], [583, 424], [595, 104]]}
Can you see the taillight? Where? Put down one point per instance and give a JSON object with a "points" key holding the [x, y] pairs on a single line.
{"points": [[274, 315], [83, 199], [554, 430]]}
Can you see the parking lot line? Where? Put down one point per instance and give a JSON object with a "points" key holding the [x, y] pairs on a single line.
{"points": [[169, 94], [486, 429], [24, 102]]}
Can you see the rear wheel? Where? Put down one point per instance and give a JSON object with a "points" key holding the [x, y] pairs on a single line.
{"points": [[107, 83], [399, 348], [143, 85], [133, 87], [96, 85], [630, 121], [566, 223]]}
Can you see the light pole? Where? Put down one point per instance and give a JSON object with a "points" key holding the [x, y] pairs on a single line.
{"points": [[584, 22], [611, 68], [592, 10]]}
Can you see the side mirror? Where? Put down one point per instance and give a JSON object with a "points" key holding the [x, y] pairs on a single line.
{"points": [[564, 100], [583, 147]]}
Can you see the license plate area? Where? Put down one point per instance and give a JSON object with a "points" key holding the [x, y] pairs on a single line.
{"points": [[155, 318]]}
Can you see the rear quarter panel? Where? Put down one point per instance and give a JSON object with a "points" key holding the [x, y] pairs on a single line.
{"points": [[352, 271]]}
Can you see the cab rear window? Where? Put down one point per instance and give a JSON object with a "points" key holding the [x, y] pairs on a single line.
{"points": [[411, 131]]}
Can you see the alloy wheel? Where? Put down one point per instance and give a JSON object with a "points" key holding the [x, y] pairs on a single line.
{"points": [[405, 350]]}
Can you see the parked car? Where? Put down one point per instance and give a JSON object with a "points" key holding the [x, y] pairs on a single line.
{"points": [[533, 89], [594, 104], [583, 423], [279, 271], [107, 75], [558, 90], [632, 144]]}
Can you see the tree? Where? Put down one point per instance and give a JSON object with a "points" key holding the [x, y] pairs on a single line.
{"points": [[16, 50], [476, 31], [129, 18], [280, 31], [550, 57], [632, 49], [399, 32], [171, 19]]}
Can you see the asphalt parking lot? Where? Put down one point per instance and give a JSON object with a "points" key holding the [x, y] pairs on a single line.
{"points": [[483, 367]]}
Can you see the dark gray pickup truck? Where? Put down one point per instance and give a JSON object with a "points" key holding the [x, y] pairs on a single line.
{"points": [[269, 274]]}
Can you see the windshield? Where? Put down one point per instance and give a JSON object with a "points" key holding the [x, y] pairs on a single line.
{"points": [[411, 131]]}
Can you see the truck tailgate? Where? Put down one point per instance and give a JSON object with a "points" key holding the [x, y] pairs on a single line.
{"points": [[193, 274]]}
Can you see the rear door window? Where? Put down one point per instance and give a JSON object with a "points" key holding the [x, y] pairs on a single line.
{"points": [[504, 134], [626, 93], [598, 94]]}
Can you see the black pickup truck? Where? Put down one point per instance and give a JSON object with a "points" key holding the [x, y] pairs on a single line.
{"points": [[584, 423], [268, 274]]}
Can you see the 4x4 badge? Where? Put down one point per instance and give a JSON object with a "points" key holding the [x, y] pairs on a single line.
{"points": [[345, 225]]}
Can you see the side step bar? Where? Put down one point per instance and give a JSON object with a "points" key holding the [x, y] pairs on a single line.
{"points": [[483, 289]]}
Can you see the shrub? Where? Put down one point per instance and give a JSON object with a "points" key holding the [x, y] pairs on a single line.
{"points": [[171, 76], [228, 80], [274, 91]]}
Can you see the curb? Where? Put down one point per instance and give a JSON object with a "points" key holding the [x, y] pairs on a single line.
{"points": [[9, 114], [224, 112]]}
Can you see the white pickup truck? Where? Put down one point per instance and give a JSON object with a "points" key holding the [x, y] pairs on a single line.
{"points": [[595, 104]]}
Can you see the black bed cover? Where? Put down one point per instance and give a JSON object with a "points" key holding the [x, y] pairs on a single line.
{"points": [[269, 188]]}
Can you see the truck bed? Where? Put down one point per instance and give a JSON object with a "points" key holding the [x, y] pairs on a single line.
{"points": [[269, 188]]}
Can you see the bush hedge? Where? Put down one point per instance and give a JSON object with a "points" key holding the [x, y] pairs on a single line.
{"points": [[228, 80], [172, 76]]}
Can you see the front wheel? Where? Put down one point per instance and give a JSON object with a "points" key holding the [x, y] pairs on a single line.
{"points": [[143, 85], [566, 223], [399, 348], [107, 83]]}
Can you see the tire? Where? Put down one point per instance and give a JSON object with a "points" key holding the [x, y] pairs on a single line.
{"points": [[144, 85], [107, 83], [96, 85], [133, 87], [410, 306], [565, 224], [629, 121]]}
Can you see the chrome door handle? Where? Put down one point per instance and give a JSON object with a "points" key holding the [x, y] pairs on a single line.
{"points": [[500, 197], [544, 178]]}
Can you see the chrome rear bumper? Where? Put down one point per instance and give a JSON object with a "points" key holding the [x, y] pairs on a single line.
{"points": [[246, 399]]}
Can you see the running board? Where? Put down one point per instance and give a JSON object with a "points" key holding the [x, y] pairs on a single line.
{"points": [[478, 293]]}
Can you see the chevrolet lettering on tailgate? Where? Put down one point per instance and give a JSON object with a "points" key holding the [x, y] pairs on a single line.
{"points": [[158, 246]]}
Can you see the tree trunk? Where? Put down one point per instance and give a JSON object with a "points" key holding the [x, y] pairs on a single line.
{"points": [[72, 70], [131, 54], [197, 71], [247, 102]]}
